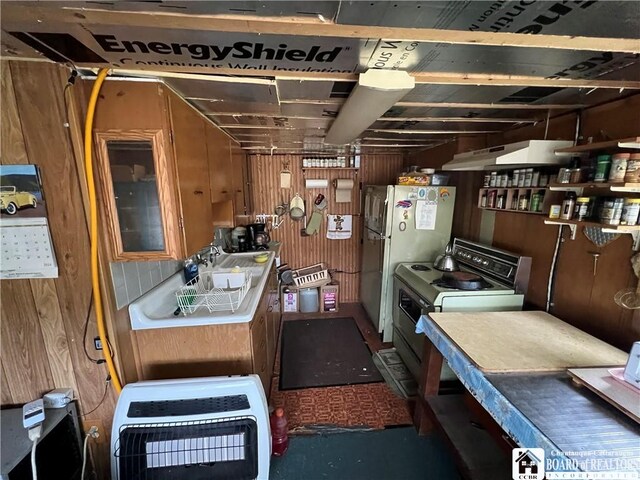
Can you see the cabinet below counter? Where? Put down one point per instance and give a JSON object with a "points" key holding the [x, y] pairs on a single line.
{"points": [[214, 350]]}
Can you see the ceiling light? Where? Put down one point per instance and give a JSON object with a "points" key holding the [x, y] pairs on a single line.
{"points": [[376, 92]]}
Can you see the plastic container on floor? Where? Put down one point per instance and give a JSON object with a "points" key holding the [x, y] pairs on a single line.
{"points": [[279, 433], [309, 300]]}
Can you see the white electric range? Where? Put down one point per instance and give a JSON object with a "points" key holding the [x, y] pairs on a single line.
{"points": [[499, 280]]}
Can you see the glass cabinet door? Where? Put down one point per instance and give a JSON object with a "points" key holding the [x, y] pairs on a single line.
{"points": [[134, 180]]}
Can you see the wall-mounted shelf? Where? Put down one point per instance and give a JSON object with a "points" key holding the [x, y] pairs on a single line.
{"points": [[549, 198], [632, 142], [513, 211], [633, 230], [581, 187], [329, 168]]}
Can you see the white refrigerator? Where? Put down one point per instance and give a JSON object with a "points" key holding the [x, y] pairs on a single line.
{"points": [[401, 224]]}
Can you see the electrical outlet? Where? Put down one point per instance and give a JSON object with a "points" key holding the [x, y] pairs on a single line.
{"points": [[97, 343], [103, 435]]}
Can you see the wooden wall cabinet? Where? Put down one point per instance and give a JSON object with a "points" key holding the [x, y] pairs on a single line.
{"points": [[134, 177], [200, 173]]}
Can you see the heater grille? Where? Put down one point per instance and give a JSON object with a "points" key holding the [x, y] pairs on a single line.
{"points": [[195, 406], [211, 449]]}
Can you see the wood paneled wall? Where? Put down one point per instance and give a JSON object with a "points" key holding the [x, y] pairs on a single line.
{"points": [[299, 251], [580, 297], [43, 319]]}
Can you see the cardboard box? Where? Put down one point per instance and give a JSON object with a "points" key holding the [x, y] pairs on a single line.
{"points": [[290, 300], [329, 298]]}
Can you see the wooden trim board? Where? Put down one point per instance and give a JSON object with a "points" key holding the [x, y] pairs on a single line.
{"points": [[505, 342], [306, 27], [625, 398]]}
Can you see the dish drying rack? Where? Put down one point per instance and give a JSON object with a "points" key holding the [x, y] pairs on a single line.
{"points": [[201, 292]]}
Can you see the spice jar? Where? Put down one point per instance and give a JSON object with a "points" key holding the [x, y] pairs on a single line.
{"points": [[536, 201], [528, 176], [630, 211], [491, 199], [504, 179], [500, 202], [564, 175], [568, 204], [581, 210], [575, 175], [603, 163], [483, 200], [494, 179], [535, 179], [516, 178], [487, 180], [544, 180], [618, 167], [632, 175], [523, 202], [611, 211]]}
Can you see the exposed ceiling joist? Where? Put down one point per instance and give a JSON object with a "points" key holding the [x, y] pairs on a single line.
{"points": [[430, 132], [458, 119], [311, 27], [421, 78], [492, 106]]}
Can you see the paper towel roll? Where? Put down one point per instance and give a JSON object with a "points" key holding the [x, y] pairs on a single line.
{"points": [[316, 183], [343, 189]]}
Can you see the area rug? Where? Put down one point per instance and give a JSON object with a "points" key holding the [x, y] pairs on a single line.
{"points": [[325, 352]]}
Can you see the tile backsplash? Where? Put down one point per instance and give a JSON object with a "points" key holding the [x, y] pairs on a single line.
{"points": [[131, 280]]}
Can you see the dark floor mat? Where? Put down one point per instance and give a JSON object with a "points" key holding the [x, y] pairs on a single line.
{"points": [[395, 454], [324, 352]]}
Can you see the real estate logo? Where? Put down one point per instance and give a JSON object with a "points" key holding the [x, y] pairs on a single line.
{"points": [[527, 463]]}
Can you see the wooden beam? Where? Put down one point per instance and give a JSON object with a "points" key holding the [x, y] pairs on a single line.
{"points": [[20, 14], [458, 119], [492, 106], [431, 132]]}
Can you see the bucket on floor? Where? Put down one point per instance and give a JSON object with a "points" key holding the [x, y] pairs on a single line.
{"points": [[309, 300]]}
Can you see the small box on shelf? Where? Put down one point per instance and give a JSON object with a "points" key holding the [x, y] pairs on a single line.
{"points": [[290, 300], [329, 298]]}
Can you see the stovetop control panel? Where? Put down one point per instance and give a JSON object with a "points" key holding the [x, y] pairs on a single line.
{"points": [[506, 267]]}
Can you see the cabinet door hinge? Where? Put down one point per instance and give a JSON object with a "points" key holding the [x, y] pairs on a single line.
{"points": [[181, 223], [171, 137]]}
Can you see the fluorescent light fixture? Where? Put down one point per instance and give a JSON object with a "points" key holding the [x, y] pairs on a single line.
{"points": [[376, 92]]}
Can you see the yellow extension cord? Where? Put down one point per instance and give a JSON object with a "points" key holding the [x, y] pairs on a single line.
{"points": [[93, 214]]}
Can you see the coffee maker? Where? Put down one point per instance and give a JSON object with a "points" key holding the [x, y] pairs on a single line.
{"points": [[257, 236]]}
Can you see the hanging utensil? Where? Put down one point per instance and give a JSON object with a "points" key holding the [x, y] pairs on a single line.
{"points": [[296, 208]]}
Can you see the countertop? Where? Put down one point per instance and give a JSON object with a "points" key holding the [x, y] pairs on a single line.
{"points": [[535, 341], [155, 308], [539, 410]]}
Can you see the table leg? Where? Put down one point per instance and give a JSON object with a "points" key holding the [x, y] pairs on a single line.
{"points": [[429, 385]]}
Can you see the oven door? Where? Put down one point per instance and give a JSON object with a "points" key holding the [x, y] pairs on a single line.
{"points": [[408, 308]]}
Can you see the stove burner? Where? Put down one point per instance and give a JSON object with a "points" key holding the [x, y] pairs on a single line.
{"points": [[462, 281], [420, 268]]}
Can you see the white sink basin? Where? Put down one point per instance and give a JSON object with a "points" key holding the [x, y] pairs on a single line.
{"points": [[155, 308]]}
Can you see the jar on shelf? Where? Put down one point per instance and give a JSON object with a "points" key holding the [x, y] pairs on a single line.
{"points": [[568, 205], [544, 180], [501, 200], [504, 180], [618, 167], [528, 177], [581, 210], [494, 179], [491, 199], [611, 211], [516, 178], [564, 175], [603, 164], [483, 200], [632, 175], [536, 201], [630, 211], [535, 178], [514, 200], [487, 180], [575, 175], [523, 201], [521, 178]]}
